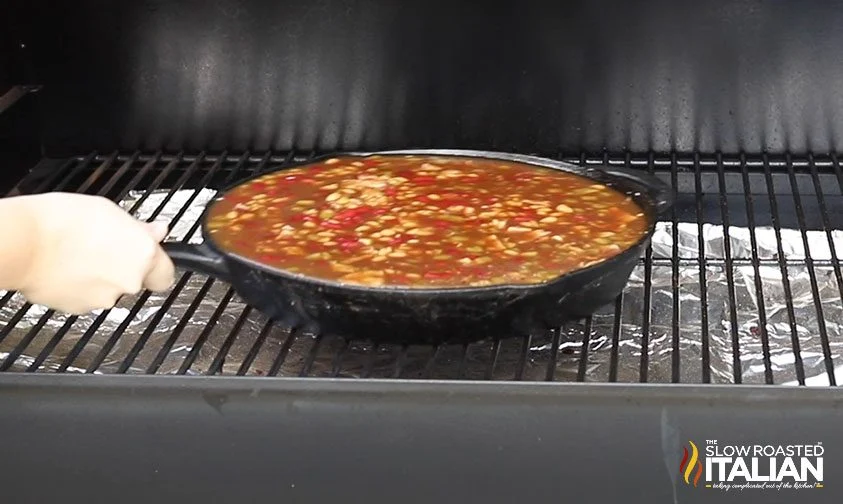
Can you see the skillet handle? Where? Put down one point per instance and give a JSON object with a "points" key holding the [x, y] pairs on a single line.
{"points": [[199, 258], [660, 193]]}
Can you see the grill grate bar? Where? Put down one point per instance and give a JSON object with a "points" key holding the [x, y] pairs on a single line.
{"points": [[617, 327], [24, 343], [835, 261], [96, 174], [644, 368], [206, 332], [674, 256], [759, 293], [812, 275], [401, 361], [526, 342], [285, 350], [708, 162], [493, 360], [141, 174], [737, 370], [586, 341], [117, 175], [311, 356], [794, 335], [219, 361], [369, 368], [75, 172], [255, 348], [463, 362], [336, 366], [430, 364], [702, 265], [554, 355]]}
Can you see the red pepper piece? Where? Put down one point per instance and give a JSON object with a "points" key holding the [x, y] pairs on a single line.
{"points": [[350, 213], [424, 180], [348, 245], [332, 225], [390, 191], [398, 240], [438, 275]]}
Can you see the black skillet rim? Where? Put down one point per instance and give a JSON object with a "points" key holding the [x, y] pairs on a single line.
{"points": [[586, 172]]}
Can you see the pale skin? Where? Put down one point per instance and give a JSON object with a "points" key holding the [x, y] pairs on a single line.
{"points": [[76, 253]]}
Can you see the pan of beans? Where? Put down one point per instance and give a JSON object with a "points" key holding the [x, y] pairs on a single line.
{"points": [[428, 246]]}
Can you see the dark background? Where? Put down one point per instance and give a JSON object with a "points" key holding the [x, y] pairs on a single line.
{"points": [[527, 75]]}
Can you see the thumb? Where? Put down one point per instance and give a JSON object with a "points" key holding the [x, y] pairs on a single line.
{"points": [[157, 230]]}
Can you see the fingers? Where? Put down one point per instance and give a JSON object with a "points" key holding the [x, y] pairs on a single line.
{"points": [[161, 273], [157, 230]]}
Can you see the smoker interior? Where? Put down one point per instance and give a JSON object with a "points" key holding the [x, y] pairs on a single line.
{"points": [[201, 327], [193, 395]]}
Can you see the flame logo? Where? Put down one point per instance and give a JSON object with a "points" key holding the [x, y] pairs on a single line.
{"points": [[686, 467]]}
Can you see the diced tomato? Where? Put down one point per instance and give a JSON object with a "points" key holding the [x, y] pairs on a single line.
{"points": [[424, 180], [332, 225]]}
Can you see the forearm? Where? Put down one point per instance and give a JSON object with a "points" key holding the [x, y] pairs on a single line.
{"points": [[18, 239]]}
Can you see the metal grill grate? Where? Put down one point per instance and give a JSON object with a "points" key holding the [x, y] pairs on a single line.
{"points": [[743, 286]]}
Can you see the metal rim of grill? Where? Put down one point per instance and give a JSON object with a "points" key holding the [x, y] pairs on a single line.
{"points": [[115, 175]]}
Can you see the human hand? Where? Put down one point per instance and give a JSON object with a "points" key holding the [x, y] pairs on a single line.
{"points": [[88, 252]]}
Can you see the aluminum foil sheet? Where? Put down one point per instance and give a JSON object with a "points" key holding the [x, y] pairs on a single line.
{"points": [[149, 341]]}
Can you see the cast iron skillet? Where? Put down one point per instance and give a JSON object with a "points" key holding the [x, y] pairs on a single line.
{"points": [[433, 316]]}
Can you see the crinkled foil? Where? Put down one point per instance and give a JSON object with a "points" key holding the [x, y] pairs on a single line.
{"points": [[674, 349]]}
